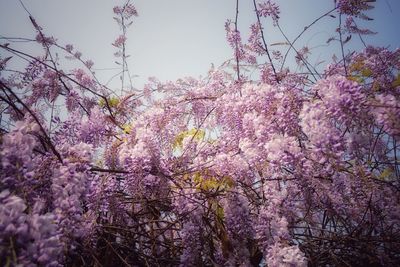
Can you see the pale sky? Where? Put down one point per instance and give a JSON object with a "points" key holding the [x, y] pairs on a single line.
{"points": [[176, 38]]}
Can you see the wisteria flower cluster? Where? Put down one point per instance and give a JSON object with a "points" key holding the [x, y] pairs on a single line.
{"points": [[254, 165]]}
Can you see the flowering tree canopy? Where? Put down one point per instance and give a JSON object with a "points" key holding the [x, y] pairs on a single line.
{"points": [[281, 168]]}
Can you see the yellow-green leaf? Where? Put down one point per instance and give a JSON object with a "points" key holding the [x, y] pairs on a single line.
{"points": [[212, 183], [112, 102], [396, 82], [366, 72], [356, 79], [127, 128], [385, 174], [195, 134]]}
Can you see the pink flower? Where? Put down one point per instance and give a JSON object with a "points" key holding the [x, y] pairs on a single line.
{"points": [[119, 41], [127, 11], [353, 7], [117, 10], [269, 9]]}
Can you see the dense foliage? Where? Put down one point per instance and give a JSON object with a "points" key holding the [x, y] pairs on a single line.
{"points": [[293, 168]]}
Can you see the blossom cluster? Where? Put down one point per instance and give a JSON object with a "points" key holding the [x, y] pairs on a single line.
{"points": [[272, 168]]}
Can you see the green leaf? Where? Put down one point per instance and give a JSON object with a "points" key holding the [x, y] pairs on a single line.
{"points": [[195, 134]]}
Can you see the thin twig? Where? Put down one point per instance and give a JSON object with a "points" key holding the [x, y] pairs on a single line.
{"points": [[264, 42], [302, 32]]}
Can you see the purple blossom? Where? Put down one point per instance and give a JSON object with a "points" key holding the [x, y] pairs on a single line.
{"points": [[269, 9], [34, 236], [16, 157], [240, 228], [386, 113], [353, 7], [69, 189], [120, 41], [42, 39], [191, 241], [127, 11], [93, 128], [351, 27], [288, 256]]}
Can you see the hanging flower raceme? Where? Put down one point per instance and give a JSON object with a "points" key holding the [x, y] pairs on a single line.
{"points": [[17, 162], [354, 7], [269, 9], [69, 188], [28, 237]]}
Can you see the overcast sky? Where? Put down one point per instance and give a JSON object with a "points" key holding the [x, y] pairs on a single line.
{"points": [[176, 38]]}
